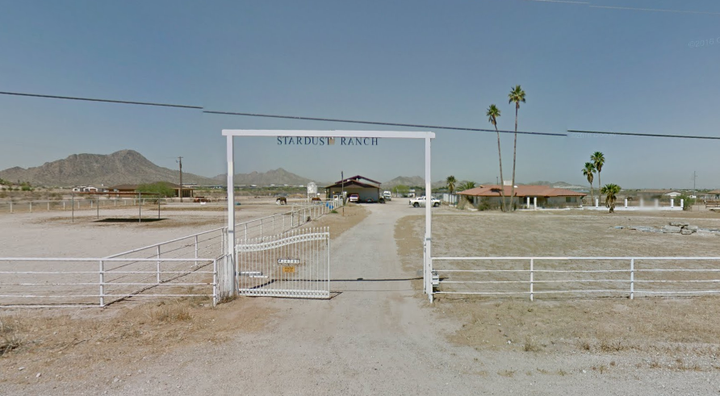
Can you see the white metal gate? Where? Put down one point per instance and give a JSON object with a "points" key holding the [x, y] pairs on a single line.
{"points": [[292, 264]]}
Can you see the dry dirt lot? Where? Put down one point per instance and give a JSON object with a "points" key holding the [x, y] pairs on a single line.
{"points": [[679, 333], [379, 335]]}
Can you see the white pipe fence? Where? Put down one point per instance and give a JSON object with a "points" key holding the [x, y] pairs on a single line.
{"points": [[188, 249], [576, 276], [80, 203], [45, 282]]}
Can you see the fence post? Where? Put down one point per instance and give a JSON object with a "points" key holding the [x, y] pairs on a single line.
{"points": [[30, 206], [102, 283], [532, 279], [196, 250], [632, 278], [215, 294], [158, 264], [11, 208], [246, 231]]}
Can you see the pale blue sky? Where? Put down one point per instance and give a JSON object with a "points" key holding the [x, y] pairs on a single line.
{"points": [[425, 62]]}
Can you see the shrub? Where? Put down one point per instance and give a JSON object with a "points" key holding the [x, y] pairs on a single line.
{"points": [[687, 201]]}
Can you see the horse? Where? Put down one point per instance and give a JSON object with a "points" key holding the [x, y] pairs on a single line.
{"points": [[281, 201]]}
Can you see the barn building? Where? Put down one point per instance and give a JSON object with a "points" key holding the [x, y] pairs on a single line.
{"points": [[368, 190]]}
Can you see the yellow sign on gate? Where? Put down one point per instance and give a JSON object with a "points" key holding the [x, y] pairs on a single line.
{"points": [[288, 269]]}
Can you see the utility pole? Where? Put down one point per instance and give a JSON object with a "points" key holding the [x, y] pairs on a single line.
{"points": [[181, 192], [342, 189], [694, 180]]}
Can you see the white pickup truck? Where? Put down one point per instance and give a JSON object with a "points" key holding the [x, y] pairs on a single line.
{"points": [[420, 201]]}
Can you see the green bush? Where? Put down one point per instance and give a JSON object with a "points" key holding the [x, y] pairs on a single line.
{"points": [[160, 189], [687, 201]]}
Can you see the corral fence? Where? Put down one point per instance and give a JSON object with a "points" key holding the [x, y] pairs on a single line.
{"points": [[101, 281], [576, 277], [85, 203], [191, 266]]}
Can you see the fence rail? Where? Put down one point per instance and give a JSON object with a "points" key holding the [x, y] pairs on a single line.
{"points": [[30, 281], [577, 276], [46, 205], [74, 282]]}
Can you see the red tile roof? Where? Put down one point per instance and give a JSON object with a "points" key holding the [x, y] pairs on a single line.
{"points": [[521, 191]]}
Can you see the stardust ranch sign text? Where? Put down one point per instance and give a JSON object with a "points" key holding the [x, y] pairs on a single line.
{"points": [[325, 141]]}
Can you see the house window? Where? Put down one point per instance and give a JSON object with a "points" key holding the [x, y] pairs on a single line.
{"points": [[568, 199]]}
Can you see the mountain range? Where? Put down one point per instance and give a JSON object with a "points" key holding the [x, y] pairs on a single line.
{"points": [[131, 167]]}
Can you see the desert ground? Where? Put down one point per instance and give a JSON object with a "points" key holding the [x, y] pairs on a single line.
{"points": [[378, 334]]}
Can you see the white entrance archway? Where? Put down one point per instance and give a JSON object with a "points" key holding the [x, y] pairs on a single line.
{"points": [[230, 134]]}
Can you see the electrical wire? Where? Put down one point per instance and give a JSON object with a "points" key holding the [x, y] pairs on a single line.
{"points": [[100, 100], [379, 123], [86, 99], [645, 134]]}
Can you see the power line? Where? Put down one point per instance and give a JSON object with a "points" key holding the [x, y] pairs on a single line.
{"points": [[645, 134], [100, 100], [377, 123], [591, 5], [86, 99]]}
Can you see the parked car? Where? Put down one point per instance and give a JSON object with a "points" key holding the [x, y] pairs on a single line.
{"points": [[353, 198], [420, 201], [387, 195]]}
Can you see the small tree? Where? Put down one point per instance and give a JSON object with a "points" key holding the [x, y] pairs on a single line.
{"points": [[401, 189], [610, 191], [159, 189], [687, 201]]}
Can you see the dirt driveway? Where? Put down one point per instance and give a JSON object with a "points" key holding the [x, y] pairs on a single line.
{"points": [[377, 336]]}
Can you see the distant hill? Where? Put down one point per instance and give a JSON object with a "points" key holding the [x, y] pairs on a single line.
{"points": [[277, 176], [411, 181], [122, 167]]}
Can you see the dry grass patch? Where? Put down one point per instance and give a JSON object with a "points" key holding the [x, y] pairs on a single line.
{"points": [[9, 338], [75, 342]]}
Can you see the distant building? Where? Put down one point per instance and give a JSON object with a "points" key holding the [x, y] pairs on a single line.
{"points": [[368, 190], [187, 192], [547, 197]]}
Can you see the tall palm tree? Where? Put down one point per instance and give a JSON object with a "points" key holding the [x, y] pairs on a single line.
{"points": [[516, 95], [598, 160], [493, 113], [451, 183], [589, 172], [610, 191]]}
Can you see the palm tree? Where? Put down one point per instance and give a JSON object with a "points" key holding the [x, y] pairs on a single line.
{"points": [[610, 191], [516, 95], [467, 185], [493, 113], [451, 183], [589, 172], [598, 160]]}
